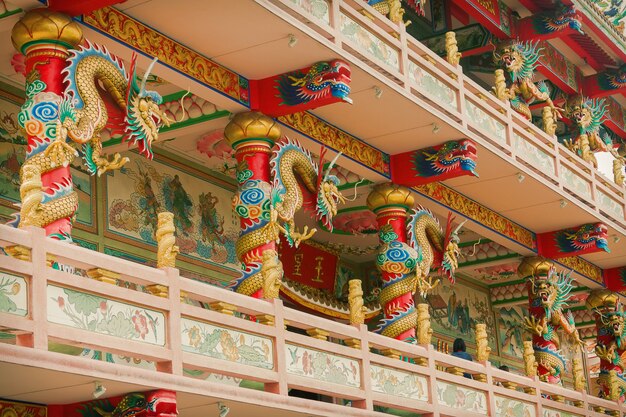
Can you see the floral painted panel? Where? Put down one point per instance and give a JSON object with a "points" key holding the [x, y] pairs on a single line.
{"points": [[317, 8], [455, 310], [549, 412], [368, 43], [484, 122], [322, 366], [205, 223], [533, 155], [510, 331], [101, 315], [609, 205], [575, 183], [508, 407], [461, 398], [427, 83], [227, 344], [399, 383], [13, 294]]}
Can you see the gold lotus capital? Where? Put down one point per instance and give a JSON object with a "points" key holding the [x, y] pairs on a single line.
{"points": [[603, 299], [534, 266], [251, 125], [390, 195], [46, 26]]}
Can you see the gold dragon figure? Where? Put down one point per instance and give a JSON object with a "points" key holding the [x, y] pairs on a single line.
{"points": [[128, 108], [424, 330], [587, 116], [482, 343], [519, 60], [453, 55], [499, 88], [297, 182], [355, 301], [548, 292], [38, 208], [166, 241], [578, 374], [272, 274]]}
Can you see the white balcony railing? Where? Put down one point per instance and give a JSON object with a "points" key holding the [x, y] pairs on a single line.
{"points": [[414, 70], [48, 305]]}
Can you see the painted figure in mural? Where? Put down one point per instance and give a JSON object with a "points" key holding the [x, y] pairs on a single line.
{"points": [[587, 116], [211, 225], [548, 292], [178, 201], [149, 202], [519, 60], [610, 343]]}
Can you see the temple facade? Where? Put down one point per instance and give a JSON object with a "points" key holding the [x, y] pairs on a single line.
{"points": [[298, 208]]}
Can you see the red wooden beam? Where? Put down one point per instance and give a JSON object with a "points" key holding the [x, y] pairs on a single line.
{"points": [[79, 7]]}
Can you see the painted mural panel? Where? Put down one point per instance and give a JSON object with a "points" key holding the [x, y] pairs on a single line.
{"points": [[322, 366], [399, 383], [13, 409], [13, 294], [369, 43], [432, 86], [227, 344], [317, 8], [485, 122], [461, 398], [101, 315], [549, 412], [510, 331], [455, 310], [206, 226], [508, 407]]}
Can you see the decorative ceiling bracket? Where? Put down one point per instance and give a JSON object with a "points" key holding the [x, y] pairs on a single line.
{"points": [[564, 21], [448, 160], [615, 279], [606, 83], [321, 84], [575, 241], [77, 8]]}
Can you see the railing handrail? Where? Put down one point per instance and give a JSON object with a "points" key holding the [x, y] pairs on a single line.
{"points": [[425, 361]]}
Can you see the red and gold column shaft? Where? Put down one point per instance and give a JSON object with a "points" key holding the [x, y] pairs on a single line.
{"points": [[252, 135], [45, 37], [396, 260]]}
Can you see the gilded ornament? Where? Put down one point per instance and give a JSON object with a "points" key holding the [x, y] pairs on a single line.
{"points": [[499, 88], [272, 273], [482, 343], [40, 25], [534, 266], [549, 122], [453, 56], [424, 331], [530, 364], [251, 125], [355, 300], [618, 170], [166, 241], [601, 299], [31, 195], [390, 194], [579, 375]]}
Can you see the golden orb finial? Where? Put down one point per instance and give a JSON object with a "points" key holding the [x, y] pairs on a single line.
{"points": [[390, 194], [534, 266], [46, 26], [251, 125]]}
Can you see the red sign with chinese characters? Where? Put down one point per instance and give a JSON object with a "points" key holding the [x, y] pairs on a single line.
{"points": [[309, 265]]}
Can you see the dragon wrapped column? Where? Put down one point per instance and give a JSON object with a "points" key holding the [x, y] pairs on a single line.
{"points": [[252, 135], [610, 345], [396, 260], [548, 292], [45, 37]]}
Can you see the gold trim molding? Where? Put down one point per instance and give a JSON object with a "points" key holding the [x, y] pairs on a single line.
{"points": [[329, 135], [583, 267], [145, 39]]}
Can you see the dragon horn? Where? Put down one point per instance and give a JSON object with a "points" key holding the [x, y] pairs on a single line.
{"points": [[332, 163], [133, 64], [456, 231], [320, 168], [448, 233], [142, 90]]}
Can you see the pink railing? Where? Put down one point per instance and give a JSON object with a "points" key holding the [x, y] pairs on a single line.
{"points": [[342, 361], [498, 127]]}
